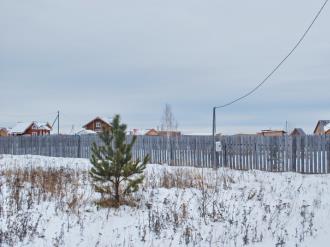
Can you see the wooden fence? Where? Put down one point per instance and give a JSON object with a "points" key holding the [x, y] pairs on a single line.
{"points": [[307, 154]]}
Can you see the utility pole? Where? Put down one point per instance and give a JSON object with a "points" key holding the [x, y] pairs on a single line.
{"points": [[286, 126], [213, 138], [58, 122]]}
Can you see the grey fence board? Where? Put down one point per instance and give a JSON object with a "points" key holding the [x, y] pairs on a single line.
{"points": [[305, 154]]}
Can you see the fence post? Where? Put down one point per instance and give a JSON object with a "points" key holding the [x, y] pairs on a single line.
{"points": [[328, 155], [225, 153], [79, 146], [294, 154], [303, 154]]}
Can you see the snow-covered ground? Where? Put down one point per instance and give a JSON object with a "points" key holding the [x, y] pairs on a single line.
{"points": [[50, 202]]}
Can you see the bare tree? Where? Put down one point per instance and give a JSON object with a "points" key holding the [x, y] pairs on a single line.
{"points": [[168, 121]]}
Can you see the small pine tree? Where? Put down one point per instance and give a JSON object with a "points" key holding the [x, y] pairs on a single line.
{"points": [[114, 172]]}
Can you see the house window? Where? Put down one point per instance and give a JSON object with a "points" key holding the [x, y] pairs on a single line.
{"points": [[98, 125], [34, 133], [34, 127]]}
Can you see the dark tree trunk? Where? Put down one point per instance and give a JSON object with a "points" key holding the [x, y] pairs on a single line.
{"points": [[117, 197]]}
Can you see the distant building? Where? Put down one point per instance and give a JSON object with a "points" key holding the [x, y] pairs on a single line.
{"points": [[298, 132], [199, 134], [31, 129], [97, 124], [154, 132], [86, 132], [322, 127], [272, 133], [147, 132], [169, 133], [151, 132], [244, 134], [3, 132]]}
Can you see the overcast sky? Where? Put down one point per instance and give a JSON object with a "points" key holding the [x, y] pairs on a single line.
{"points": [[89, 58]]}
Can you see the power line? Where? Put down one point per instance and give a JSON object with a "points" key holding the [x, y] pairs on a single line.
{"points": [[261, 83], [279, 65]]}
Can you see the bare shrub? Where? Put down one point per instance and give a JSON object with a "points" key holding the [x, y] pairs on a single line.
{"points": [[186, 178], [25, 189]]}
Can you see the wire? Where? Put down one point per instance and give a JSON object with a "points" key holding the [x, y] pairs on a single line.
{"points": [[279, 65]]}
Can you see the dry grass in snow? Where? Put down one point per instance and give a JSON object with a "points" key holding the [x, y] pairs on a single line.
{"points": [[50, 202]]}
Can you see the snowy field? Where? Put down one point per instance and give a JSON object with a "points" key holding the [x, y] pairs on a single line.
{"points": [[50, 202]]}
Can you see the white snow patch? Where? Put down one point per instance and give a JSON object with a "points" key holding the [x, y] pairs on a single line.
{"points": [[251, 208]]}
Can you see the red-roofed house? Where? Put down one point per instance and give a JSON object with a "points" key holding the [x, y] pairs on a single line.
{"points": [[3, 132], [298, 132], [272, 133], [97, 124], [31, 129]]}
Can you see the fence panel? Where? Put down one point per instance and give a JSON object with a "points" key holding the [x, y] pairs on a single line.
{"points": [[303, 154]]}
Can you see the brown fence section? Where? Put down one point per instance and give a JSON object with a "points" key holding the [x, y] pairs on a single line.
{"points": [[306, 154]]}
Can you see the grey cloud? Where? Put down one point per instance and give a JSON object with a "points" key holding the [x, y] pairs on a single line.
{"points": [[102, 57]]}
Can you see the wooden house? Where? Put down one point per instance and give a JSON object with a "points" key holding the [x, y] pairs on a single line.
{"points": [[322, 127], [151, 132], [147, 132], [30, 129], [154, 132], [169, 133], [272, 133], [298, 132], [3, 132], [98, 124]]}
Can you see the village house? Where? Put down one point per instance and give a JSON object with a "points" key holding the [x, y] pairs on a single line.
{"points": [[154, 132], [3, 132], [147, 132], [98, 124], [322, 127], [30, 129], [151, 132], [169, 133], [272, 133], [244, 134], [298, 132]]}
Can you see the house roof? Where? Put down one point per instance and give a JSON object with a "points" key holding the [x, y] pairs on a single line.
{"points": [[85, 132], [21, 127], [170, 133], [322, 124], [45, 126], [140, 131], [196, 134], [147, 131], [271, 131], [4, 130], [300, 131], [103, 119]]}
